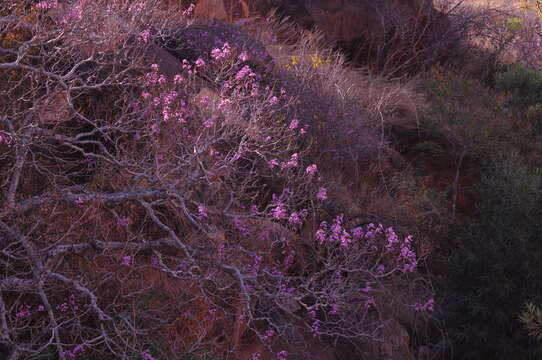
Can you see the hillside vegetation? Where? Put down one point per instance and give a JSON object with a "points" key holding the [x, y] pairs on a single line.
{"points": [[265, 180]]}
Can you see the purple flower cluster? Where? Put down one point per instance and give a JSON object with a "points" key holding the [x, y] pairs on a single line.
{"points": [[126, 260], [189, 10], [429, 305], [279, 212], [51, 4], [405, 260], [223, 53], [282, 355], [75, 13], [71, 353]]}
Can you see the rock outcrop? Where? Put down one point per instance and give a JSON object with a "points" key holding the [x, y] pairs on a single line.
{"points": [[392, 36]]}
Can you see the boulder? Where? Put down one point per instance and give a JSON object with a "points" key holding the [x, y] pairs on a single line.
{"points": [[200, 39], [54, 109], [392, 343], [211, 9]]}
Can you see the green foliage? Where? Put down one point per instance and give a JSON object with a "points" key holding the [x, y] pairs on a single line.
{"points": [[461, 116], [514, 24], [494, 266], [431, 148], [426, 206], [524, 88], [531, 317]]}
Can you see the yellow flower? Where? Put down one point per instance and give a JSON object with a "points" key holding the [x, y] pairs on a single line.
{"points": [[316, 60]]}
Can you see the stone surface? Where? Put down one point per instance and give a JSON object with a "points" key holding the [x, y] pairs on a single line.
{"points": [[211, 9], [393, 345], [54, 109], [198, 40], [384, 33]]}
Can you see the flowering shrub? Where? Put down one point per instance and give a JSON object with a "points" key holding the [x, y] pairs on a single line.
{"points": [[154, 198], [353, 271]]}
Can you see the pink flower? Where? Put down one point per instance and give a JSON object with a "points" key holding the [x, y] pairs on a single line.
{"points": [[126, 260], [242, 73], [154, 67], [25, 311], [322, 194], [268, 334], [145, 35], [202, 212], [311, 169], [79, 200], [200, 62], [208, 123], [294, 219], [146, 355], [273, 100], [294, 124], [272, 163], [216, 54], [223, 103], [279, 212], [357, 232], [123, 221], [315, 328], [168, 99], [219, 54], [76, 13], [282, 355], [145, 95], [430, 304], [188, 12], [291, 163], [178, 79], [47, 4], [151, 78], [243, 56], [320, 236]]}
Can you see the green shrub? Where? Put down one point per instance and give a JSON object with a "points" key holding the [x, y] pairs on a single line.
{"points": [[524, 88], [492, 269], [531, 317], [496, 267]]}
